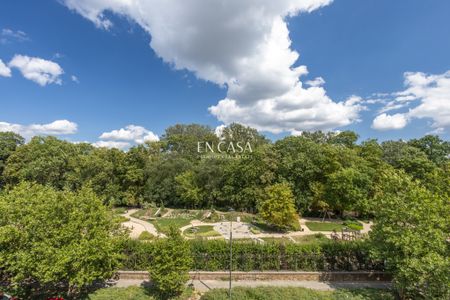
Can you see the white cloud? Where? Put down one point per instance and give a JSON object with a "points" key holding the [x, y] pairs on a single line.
{"points": [[8, 35], [318, 81], [219, 130], [4, 70], [74, 79], [430, 93], [298, 110], [389, 122], [112, 144], [241, 45], [137, 134], [39, 70], [58, 127]]}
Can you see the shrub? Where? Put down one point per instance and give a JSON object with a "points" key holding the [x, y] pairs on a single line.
{"points": [[213, 255], [170, 264], [355, 225], [146, 236]]}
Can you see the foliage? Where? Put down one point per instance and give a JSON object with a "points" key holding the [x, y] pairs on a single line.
{"points": [[170, 264], [213, 255], [324, 226], [146, 236], [50, 240], [9, 141], [411, 234], [294, 293], [277, 207]]}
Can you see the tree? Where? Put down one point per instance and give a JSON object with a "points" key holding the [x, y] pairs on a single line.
{"points": [[171, 263], [411, 235], [411, 159], [104, 170], [347, 189], [183, 139], [437, 150], [44, 160], [236, 132], [345, 138], [9, 141], [188, 190], [246, 178], [54, 242], [278, 208]]}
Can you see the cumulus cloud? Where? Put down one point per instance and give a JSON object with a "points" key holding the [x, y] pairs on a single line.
{"points": [[241, 45], [112, 144], [137, 134], [39, 70], [4, 70], [318, 81], [389, 122], [426, 95], [58, 127]]}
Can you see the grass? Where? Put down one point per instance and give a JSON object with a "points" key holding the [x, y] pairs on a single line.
{"points": [[352, 224], [324, 226], [291, 293], [202, 231], [146, 236], [131, 293], [311, 239], [163, 224], [144, 214], [122, 219], [120, 210]]}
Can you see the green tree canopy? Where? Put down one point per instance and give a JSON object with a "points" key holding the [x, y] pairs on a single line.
{"points": [[278, 208], [411, 234], [54, 242], [171, 263], [9, 141]]}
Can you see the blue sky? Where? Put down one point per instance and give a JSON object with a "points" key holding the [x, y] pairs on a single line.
{"points": [[359, 48]]}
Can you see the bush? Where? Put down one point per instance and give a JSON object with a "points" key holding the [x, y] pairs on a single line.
{"points": [[355, 225], [146, 236], [213, 255], [170, 264], [56, 242]]}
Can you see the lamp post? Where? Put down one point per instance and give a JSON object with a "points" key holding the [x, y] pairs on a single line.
{"points": [[231, 250]]}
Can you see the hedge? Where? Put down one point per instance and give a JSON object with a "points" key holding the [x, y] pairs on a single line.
{"points": [[213, 255]]}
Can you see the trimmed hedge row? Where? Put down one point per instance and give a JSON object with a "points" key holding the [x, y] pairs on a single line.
{"points": [[213, 255]]}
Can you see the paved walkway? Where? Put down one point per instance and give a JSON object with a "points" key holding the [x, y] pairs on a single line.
{"points": [[240, 230], [138, 226], [206, 285]]}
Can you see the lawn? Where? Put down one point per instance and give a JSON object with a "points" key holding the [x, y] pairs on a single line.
{"points": [[144, 214], [202, 231], [163, 224], [311, 239], [295, 293], [324, 226], [130, 293]]}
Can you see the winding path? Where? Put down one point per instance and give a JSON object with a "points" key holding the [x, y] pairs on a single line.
{"points": [[138, 226]]}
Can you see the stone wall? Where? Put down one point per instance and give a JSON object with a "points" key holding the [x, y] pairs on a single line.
{"points": [[268, 275]]}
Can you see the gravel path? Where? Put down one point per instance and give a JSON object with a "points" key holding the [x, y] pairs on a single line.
{"points": [[138, 226]]}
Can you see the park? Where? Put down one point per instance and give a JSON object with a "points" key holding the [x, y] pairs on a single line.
{"points": [[315, 215]]}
